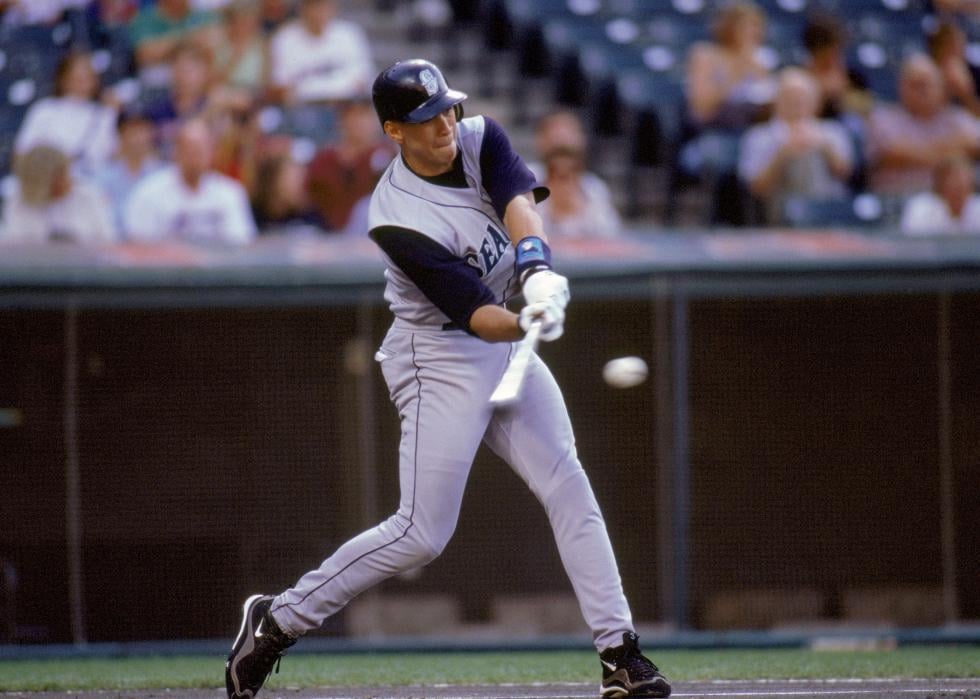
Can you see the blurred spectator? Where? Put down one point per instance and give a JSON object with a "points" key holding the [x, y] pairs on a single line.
{"points": [[951, 207], [947, 47], [163, 26], [210, 5], [240, 75], [113, 13], [727, 85], [843, 90], [273, 14], [50, 204], [192, 93], [320, 57], [241, 59], [21, 12], [728, 88], [238, 138], [906, 141], [188, 94], [580, 204], [795, 153], [135, 159], [344, 172], [188, 201], [279, 200], [73, 120], [966, 7]]}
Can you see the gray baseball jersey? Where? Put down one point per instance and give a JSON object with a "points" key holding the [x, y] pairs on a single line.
{"points": [[447, 253]]}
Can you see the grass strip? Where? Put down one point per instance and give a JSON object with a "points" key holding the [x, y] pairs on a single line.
{"points": [[310, 670]]}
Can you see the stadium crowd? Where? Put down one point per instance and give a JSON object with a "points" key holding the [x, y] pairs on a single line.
{"points": [[224, 119], [212, 121]]}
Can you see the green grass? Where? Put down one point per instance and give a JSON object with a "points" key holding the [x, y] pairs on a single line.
{"points": [[303, 670]]}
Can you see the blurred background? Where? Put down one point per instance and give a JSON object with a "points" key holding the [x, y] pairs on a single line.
{"points": [[771, 202]]}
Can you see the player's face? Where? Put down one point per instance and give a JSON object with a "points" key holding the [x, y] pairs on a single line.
{"points": [[429, 148]]}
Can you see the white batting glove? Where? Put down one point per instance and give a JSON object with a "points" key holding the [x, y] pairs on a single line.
{"points": [[546, 286], [551, 316]]}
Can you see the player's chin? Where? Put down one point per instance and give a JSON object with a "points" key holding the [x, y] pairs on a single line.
{"points": [[446, 152]]}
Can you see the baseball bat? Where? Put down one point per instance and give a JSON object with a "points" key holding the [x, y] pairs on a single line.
{"points": [[509, 387]]}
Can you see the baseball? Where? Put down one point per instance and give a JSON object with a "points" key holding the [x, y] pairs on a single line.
{"points": [[625, 372]]}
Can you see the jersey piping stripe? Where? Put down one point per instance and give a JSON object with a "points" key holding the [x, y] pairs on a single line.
{"points": [[391, 182], [513, 277], [411, 515]]}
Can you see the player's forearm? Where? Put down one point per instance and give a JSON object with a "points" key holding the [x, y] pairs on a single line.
{"points": [[522, 219], [495, 324]]}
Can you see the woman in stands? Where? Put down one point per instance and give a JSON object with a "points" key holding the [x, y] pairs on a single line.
{"points": [[947, 46], [727, 85], [77, 119], [728, 88]]}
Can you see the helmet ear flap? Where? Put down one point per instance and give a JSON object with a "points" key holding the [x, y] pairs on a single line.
{"points": [[458, 111]]}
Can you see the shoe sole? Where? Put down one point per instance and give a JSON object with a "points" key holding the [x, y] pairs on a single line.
{"points": [[658, 689], [246, 638]]}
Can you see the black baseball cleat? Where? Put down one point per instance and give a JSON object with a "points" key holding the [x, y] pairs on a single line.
{"points": [[258, 648], [627, 673]]}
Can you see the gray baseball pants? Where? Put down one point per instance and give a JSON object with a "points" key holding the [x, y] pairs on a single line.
{"points": [[440, 382]]}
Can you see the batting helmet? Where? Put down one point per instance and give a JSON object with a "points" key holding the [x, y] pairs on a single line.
{"points": [[413, 91]]}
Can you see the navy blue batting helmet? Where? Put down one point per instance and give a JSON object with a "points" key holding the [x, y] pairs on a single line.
{"points": [[413, 91]]}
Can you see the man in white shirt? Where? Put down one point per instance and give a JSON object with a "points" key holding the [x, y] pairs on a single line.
{"points": [[795, 153], [951, 208], [189, 202], [320, 57]]}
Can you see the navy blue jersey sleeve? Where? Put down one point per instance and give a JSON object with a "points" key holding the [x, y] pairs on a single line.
{"points": [[446, 279], [504, 173]]}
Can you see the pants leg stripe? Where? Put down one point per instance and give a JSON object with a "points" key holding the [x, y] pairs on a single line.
{"points": [[411, 523]]}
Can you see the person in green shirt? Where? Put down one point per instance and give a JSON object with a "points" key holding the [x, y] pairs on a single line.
{"points": [[158, 29]]}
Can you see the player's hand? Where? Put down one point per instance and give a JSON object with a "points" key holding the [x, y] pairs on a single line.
{"points": [[551, 316], [547, 286]]}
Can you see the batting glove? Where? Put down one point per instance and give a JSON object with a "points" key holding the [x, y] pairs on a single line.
{"points": [[551, 316], [547, 286]]}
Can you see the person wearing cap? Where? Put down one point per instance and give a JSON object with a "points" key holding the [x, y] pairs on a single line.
{"points": [[52, 205], [454, 215]]}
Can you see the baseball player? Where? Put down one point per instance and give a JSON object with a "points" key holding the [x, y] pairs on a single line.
{"points": [[454, 215]]}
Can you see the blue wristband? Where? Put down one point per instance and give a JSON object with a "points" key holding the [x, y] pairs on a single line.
{"points": [[533, 255]]}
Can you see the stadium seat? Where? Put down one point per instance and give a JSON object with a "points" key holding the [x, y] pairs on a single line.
{"points": [[879, 64], [524, 12], [313, 122], [645, 10], [112, 47], [32, 53], [884, 7], [10, 120], [646, 91], [862, 211], [678, 32]]}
